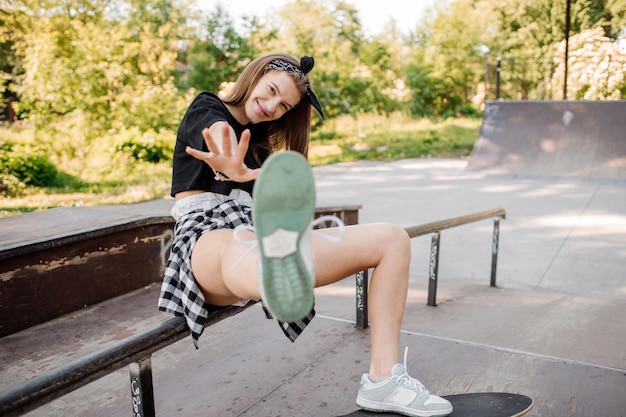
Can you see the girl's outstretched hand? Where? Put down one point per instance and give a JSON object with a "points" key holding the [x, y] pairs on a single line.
{"points": [[227, 159]]}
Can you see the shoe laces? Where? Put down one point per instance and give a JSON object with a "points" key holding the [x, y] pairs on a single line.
{"points": [[332, 219], [408, 381], [253, 243]]}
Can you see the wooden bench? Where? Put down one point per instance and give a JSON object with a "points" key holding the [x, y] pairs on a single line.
{"points": [[74, 257]]}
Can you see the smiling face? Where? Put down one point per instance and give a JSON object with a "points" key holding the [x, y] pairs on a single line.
{"points": [[274, 95]]}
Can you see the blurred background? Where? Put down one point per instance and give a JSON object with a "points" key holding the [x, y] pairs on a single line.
{"points": [[93, 90]]}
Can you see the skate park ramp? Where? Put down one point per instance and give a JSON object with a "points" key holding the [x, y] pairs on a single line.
{"points": [[579, 139]]}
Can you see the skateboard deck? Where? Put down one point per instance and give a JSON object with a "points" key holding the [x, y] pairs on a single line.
{"points": [[478, 404]]}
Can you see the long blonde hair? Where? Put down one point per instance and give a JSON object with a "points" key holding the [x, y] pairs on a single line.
{"points": [[292, 131]]}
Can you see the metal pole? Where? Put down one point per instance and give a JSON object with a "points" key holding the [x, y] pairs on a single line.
{"points": [[486, 77], [141, 387], [434, 269], [494, 250], [498, 78], [362, 278], [567, 24]]}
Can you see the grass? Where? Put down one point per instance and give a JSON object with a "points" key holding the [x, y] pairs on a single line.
{"points": [[145, 183], [100, 180], [391, 138]]}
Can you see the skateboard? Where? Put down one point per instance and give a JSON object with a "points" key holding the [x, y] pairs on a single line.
{"points": [[477, 404]]}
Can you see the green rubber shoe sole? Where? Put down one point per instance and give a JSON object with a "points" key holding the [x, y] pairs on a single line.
{"points": [[283, 208]]}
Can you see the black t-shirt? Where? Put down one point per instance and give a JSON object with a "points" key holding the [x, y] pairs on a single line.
{"points": [[189, 173]]}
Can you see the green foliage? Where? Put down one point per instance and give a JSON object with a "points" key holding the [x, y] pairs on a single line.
{"points": [[451, 49], [27, 166], [468, 110], [148, 149], [147, 152], [105, 175], [221, 57], [136, 63], [155, 14], [432, 96], [615, 13], [113, 73], [35, 170]]}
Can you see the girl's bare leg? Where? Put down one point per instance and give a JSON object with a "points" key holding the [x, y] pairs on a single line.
{"points": [[386, 248], [226, 273]]}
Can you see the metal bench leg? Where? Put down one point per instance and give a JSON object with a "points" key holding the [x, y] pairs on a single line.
{"points": [[141, 387], [362, 282], [494, 249], [434, 269]]}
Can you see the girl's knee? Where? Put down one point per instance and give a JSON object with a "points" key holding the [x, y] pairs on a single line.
{"points": [[395, 237]]}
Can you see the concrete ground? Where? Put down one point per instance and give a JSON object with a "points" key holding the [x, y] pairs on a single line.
{"points": [[553, 328]]}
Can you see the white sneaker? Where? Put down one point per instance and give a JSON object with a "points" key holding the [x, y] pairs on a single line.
{"points": [[402, 394]]}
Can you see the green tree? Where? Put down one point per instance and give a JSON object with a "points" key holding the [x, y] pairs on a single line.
{"points": [[430, 95], [531, 30], [451, 49], [78, 64], [352, 74], [7, 66], [87, 82], [105, 74], [20, 19], [155, 14], [221, 57]]}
